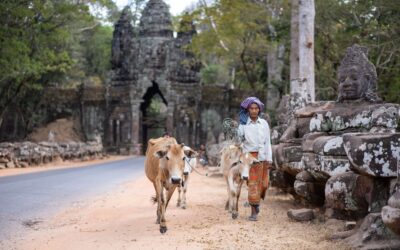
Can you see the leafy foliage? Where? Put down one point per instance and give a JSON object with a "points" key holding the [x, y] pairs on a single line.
{"points": [[238, 35], [235, 34], [65, 42], [41, 43]]}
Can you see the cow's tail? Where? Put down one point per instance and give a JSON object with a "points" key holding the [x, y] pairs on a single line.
{"points": [[153, 199]]}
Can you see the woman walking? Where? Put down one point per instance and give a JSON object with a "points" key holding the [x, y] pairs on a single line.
{"points": [[254, 133]]}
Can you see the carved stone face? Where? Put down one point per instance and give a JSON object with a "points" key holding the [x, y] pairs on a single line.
{"points": [[352, 83]]}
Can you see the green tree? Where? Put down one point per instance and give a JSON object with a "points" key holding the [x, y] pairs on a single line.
{"points": [[97, 50], [234, 33], [39, 41]]}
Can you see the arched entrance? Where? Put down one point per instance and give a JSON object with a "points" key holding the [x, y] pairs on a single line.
{"points": [[154, 114]]}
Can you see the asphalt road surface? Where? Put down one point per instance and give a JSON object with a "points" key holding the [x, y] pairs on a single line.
{"points": [[27, 199]]}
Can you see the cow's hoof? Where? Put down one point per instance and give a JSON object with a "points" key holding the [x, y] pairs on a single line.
{"points": [[178, 204], [157, 221], [163, 230], [234, 215], [183, 206]]}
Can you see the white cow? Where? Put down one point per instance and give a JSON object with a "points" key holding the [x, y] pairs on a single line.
{"points": [[235, 166], [190, 163]]}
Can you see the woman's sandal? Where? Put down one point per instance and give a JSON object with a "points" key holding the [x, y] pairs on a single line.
{"points": [[252, 218]]}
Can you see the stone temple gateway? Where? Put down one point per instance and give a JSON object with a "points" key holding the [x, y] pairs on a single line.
{"points": [[150, 63], [153, 86]]}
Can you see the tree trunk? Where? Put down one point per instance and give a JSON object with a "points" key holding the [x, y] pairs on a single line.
{"points": [[275, 65], [302, 79], [294, 44], [246, 70]]}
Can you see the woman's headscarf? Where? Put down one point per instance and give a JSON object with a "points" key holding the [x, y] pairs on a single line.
{"points": [[244, 113]]}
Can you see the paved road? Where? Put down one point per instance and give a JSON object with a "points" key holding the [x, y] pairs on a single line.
{"points": [[29, 198]]}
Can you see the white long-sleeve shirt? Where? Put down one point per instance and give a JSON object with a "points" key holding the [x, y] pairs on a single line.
{"points": [[256, 138]]}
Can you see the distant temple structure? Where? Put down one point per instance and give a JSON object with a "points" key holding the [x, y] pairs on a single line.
{"points": [[147, 62], [153, 87]]}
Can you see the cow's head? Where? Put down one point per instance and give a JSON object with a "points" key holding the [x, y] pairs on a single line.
{"points": [[246, 160], [172, 162], [232, 153], [190, 160]]}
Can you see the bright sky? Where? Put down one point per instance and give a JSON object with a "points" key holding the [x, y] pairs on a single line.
{"points": [[176, 6]]}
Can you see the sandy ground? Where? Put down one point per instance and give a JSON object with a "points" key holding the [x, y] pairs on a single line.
{"points": [[125, 219]]}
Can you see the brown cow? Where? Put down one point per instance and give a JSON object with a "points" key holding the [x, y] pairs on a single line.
{"points": [[165, 162]]}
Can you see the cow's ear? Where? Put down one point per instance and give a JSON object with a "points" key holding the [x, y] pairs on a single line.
{"points": [[191, 153], [160, 154], [152, 142]]}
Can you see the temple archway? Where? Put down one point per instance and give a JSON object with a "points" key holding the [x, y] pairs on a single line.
{"points": [[154, 114]]}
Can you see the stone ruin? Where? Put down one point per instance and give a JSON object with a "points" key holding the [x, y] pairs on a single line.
{"points": [[29, 154], [150, 62], [345, 155]]}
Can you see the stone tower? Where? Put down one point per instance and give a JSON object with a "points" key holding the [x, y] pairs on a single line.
{"points": [[150, 62]]}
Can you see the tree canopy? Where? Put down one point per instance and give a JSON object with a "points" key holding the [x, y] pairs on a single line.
{"points": [[64, 42], [45, 42], [237, 36]]}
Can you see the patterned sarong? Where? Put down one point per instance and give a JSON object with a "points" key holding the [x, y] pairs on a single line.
{"points": [[258, 181]]}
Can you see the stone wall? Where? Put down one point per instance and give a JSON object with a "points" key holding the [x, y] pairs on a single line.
{"points": [[25, 154], [344, 155]]}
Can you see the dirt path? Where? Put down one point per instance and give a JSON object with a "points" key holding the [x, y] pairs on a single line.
{"points": [[125, 219]]}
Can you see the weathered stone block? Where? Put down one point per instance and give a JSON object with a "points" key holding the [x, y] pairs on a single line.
{"points": [[282, 180], [361, 116], [393, 185], [373, 154], [329, 145], [312, 192], [24, 164], [325, 166], [385, 117], [394, 200], [3, 160], [10, 164], [391, 218], [373, 234], [305, 176], [292, 153], [301, 214], [277, 153], [308, 140], [303, 125], [333, 165], [294, 167], [304, 189], [348, 193], [391, 212]]}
